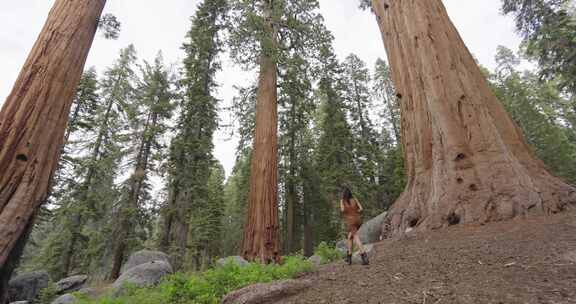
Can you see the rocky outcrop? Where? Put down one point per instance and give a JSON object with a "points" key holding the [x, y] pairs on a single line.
{"points": [[65, 299], [143, 275], [71, 284], [88, 292], [342, 246], [27, 286], [238, 260], [315, 260], [371, 230], [143, 257], [266, 293]]}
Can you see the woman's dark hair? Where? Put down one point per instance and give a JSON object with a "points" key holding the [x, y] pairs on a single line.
{"points": [[346, 194]]}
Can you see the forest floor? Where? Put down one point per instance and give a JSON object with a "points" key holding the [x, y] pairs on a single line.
{"points": [[521, 261]]}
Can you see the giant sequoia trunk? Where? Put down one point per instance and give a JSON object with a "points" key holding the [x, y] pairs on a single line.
{"points": [[261, 232], [34, 116], [466, 160]]}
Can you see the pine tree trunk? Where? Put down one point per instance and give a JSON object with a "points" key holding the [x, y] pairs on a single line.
{"points": [[291, 194], [78, 218], [307, 227], [34, 116], [128, 212], [466, 160], [291, 201], [261, 232]]}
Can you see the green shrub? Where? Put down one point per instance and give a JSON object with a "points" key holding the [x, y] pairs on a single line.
{"points": [[210, 286], [327, 254], [47, 295]]}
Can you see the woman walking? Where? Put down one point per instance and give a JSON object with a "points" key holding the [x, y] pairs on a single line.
{"points": [[351, 209]]}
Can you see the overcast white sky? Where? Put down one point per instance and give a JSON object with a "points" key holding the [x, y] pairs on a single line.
{"points": [[153, 25]]}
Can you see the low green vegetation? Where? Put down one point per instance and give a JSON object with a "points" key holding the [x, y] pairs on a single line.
{"points": [[210, 286], [327, 253]]}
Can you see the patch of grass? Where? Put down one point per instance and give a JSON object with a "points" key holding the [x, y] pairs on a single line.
{"points": [[47, 295], [327, 253], [210, 286]]}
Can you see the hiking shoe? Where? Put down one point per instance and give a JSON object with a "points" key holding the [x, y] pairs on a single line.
{"points": [[349, 259], [364, 257]]}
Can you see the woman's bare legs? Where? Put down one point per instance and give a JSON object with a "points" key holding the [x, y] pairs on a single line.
{"points": [[350, 242], [358, 243]]}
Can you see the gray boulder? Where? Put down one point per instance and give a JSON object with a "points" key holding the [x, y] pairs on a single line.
{"points": [[342, 246], [369, 233], [143, 275], [238, 260], [315, 260], [143, 257], [370, 250], [65, 299], [371, 230], [71, 284], [266, 293], [88, 292], [27, 286]]}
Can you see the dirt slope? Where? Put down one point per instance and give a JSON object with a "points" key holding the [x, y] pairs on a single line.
{"points": [[521, 261]]}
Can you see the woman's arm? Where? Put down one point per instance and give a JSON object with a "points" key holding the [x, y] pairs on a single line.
{"points": [[341, 206], [359, 205]]}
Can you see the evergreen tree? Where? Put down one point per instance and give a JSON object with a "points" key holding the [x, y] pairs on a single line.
{"points": [[296, 108], [391, 175], [235, 198], [268, 33], [333, 155], [367, 151], [191, 160], [384, 92], [206, 223], [149, 126], [548, 28], [78, 242], [521, 95], [84, 108]]}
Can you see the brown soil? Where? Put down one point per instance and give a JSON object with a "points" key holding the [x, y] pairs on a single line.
{"points": [[521, 261]]}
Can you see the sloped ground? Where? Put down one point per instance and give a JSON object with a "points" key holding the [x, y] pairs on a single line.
{"points": [[520, 261]]}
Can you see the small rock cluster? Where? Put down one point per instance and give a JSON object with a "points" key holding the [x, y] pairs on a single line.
{"points": [[27, 286], [143, 268], [238, 260]]}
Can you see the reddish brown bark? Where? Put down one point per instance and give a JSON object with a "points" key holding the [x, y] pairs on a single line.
{"points": [[466, 160], [261, 232], [34, 116]]}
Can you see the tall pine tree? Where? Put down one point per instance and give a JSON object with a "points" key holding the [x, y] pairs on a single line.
{"points": [[149, 126], [191, 160]]}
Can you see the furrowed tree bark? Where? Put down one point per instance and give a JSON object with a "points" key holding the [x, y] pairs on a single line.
{"points": [[34, 116], [14, 260], [261, 232], [466, 160]]}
